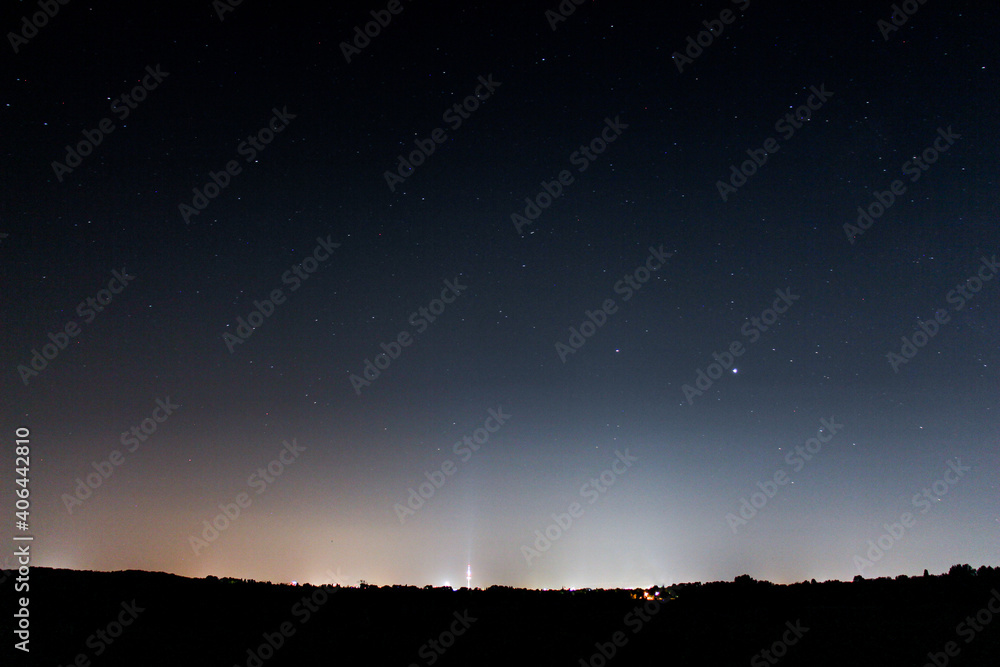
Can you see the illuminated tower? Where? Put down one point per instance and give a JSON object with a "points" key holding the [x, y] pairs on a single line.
{"points": [[468, 576]]}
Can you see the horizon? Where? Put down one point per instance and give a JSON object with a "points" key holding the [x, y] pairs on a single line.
{"points": [[337, 581]]}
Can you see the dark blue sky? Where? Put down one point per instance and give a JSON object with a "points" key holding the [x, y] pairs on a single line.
{"points": [[625, 480]]}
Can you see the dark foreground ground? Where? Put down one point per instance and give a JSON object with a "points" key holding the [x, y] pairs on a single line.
{"points": [[148, 619]]}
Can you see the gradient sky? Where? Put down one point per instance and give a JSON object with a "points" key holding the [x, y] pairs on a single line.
{"points": [[891, 94]]}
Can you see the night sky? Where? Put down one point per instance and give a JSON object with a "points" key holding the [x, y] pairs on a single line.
{"points": [[688, 309]]}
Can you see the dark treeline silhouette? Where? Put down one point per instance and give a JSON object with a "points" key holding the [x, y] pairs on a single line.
{"points": [[151, 619]]}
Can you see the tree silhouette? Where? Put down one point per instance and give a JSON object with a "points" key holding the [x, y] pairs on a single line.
{"points": [[964, 570]]}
